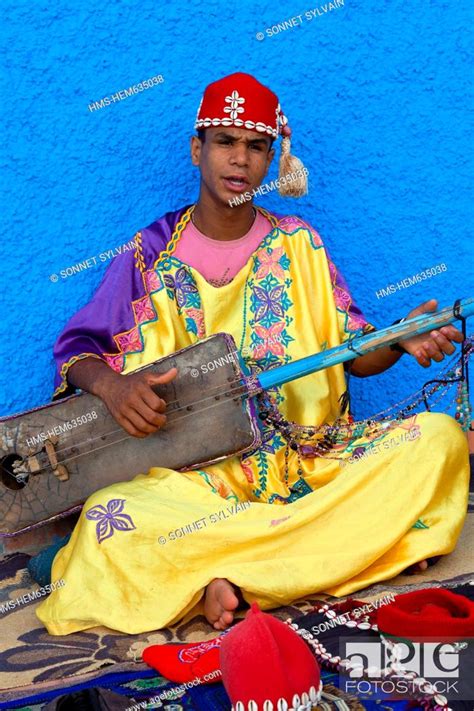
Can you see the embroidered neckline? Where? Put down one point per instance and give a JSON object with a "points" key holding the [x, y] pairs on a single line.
{"points": [[163, 257]]}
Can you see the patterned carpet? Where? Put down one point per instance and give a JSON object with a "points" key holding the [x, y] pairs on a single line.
{"points": [[32, 662]]}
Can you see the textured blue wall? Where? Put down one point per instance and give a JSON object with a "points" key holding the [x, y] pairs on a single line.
{"points": [[376, 93]]}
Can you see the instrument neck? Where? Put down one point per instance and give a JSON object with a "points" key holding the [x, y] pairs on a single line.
{"points": [[359, 346]]}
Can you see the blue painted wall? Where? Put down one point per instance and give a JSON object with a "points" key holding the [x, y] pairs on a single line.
{"points": [[376, 93]]}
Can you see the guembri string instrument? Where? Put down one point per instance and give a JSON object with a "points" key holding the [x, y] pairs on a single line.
{"points": [[53, 457]]}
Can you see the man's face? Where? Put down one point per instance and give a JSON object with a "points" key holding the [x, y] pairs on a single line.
{"points": [[232, 161]]}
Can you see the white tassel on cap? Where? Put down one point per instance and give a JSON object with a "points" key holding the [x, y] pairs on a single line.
{"points": [[291, 170]]}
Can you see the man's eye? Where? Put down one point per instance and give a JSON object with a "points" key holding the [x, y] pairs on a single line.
{"points": [[256, 147]]}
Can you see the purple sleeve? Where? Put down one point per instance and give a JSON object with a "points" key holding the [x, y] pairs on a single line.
{"points": [[99, 329], [90, 332]]}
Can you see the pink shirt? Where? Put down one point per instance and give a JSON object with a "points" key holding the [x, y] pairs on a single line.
{"points": [[219, 261]]}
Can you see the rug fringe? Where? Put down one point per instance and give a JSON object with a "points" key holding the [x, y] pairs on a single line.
{"points": [[333, 698]]}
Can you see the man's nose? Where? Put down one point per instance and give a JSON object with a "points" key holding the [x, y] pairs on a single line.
{"points": [[239, 154]]}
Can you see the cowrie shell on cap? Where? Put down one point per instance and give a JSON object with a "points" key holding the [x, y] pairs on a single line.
{"points": [[282, 705]]}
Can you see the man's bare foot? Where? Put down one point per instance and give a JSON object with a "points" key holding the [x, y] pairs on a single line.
{"points": [[421, 566], [417, 568], [219, 603]]}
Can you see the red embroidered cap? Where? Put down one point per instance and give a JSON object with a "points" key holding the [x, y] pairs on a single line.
{"points": [[267, 667], [241, 100], [186, 662], [431, 613]]}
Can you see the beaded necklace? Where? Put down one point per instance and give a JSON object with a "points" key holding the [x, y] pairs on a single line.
{"points": [[331, 441], [417, 687]]}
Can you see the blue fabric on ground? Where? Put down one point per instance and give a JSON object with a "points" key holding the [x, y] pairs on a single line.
{"points": [[39, 567]]}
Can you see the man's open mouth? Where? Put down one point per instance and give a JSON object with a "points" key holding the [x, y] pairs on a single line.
{"points": [[236, 183]]}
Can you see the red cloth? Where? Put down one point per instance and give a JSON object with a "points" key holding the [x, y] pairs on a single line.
{"points": [[263, 659], [184, 662], [432, 613], [241, 100]]}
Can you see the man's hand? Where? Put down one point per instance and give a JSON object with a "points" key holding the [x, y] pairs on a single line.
{"points": [[432, 345], [131, 400]]}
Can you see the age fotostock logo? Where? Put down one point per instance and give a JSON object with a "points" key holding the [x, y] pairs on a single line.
{"points": [[376, 668]]}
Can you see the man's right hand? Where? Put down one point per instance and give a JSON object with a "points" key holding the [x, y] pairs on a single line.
{"points": [[130, 399], [132, 402]]}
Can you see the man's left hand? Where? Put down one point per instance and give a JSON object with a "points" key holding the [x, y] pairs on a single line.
{"points": [[432, 345]]}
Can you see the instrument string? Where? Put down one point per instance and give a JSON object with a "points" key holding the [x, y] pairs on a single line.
{"points": [[240, 391], [122, 439], [213, 391]]}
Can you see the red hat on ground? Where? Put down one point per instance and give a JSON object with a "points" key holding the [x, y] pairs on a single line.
{"points": [[266, 666], [185, 662], [242, 101], [432, 613]]}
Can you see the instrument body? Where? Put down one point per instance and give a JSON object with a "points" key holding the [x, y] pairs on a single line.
{"points": [[97, 451]]}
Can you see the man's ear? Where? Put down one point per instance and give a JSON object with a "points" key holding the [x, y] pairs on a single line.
{"points": [[196, 147], [270, 156]]}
